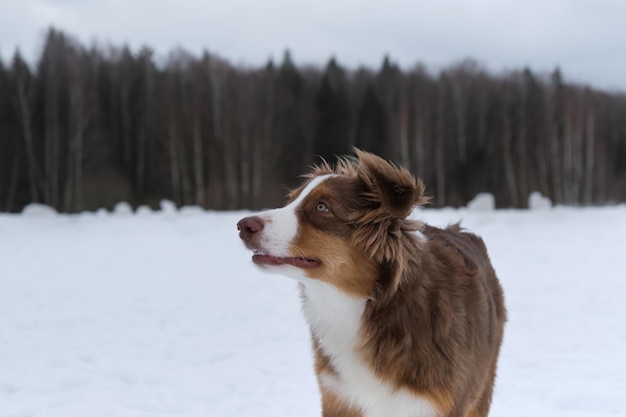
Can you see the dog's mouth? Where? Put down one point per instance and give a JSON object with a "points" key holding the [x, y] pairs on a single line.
{"points": [[260, 258]]}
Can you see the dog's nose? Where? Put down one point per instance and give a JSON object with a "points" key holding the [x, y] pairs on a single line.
{"points": [[249, 226]]}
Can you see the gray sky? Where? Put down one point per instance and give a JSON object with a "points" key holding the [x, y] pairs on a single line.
{"points": [[586, 38]]}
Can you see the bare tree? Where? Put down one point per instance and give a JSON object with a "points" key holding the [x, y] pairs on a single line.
{"points": [[507, 148], [440, 144], [589, 156], [23, 99]]}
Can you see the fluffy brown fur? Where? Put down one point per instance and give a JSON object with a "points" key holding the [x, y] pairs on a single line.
{"points": [[434, 310], [435, 318]]}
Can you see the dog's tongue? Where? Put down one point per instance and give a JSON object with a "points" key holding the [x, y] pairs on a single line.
{"points": [[277, 260]]}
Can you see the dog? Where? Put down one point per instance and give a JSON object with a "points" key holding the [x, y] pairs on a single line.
{"points": [[406, 319]]}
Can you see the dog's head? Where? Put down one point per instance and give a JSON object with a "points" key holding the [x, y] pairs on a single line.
{"points": [[344, 226]]}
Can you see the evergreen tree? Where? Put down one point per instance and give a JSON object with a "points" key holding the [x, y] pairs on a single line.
{"points": [[333, 107], [371, 130], [290, 139]]}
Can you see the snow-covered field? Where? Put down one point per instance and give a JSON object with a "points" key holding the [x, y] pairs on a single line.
{"points": [[162, 314]]}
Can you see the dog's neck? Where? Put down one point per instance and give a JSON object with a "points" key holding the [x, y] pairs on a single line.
{"points": [[334, 317]]}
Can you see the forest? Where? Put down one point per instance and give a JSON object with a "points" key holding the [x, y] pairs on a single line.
{"points": [[87, 127]]}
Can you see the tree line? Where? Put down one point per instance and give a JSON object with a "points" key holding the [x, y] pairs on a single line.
{"points": [[86, 128]]}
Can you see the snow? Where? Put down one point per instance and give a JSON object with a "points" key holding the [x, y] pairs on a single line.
{"points": [[537, 201], [162, 314], [482, 202]]}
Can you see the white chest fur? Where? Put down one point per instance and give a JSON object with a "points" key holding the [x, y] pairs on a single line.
{"points": [[335, 322]]}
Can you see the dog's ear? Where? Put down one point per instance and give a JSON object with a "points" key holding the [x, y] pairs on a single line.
{"points": [[395, 188]]}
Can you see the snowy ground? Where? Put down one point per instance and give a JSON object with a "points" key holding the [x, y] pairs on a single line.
{"points": [[162, 314]]}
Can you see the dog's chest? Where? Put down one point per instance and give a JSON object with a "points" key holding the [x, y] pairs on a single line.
{"points": [[335, 321]]}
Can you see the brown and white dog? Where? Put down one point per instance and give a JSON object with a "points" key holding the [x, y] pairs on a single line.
{"points": [[406, 319]]}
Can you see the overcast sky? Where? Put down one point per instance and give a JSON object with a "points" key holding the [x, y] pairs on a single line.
{"points": [[586, 38]]}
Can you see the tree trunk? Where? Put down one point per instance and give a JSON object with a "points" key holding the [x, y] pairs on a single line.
{"points": [[216, 156], [25, 118], [244, 165], [522, 152], [589, 157], [440, 148], [74, 153], [403, 120], [15, 172], [174, 169], [420, 149], [555, 155], [198, 161], [459, 112], [509, 168]]}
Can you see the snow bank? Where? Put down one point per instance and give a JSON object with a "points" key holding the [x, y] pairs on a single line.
{"points": [[38, 210], [482, 202], [536, 201]]}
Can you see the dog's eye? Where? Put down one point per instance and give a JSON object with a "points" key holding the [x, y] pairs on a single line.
{"points": [[322, 207]]}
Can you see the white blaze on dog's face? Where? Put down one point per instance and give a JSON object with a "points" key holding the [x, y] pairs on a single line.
{"points": [[312, 237], [275, 247]]}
